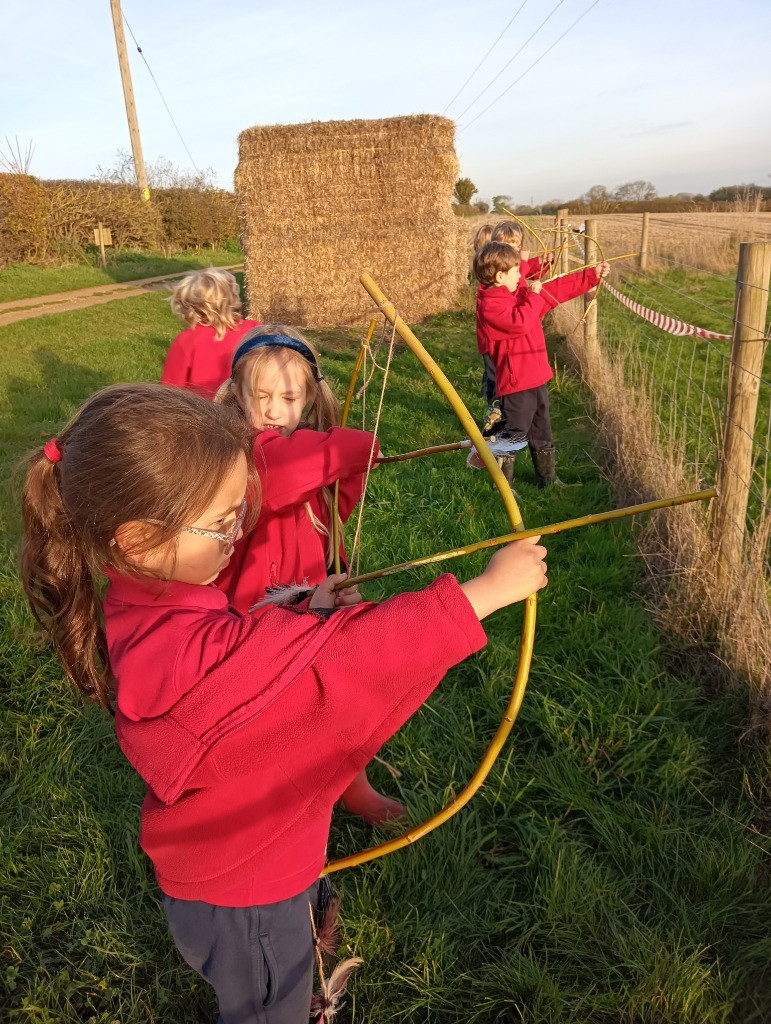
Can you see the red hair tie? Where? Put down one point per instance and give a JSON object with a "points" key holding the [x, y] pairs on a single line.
{"points": [[51, 450]]}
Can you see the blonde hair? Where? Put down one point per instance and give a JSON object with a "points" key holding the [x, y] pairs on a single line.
{"points": [[132, 453], [508, 232], [483, 235], [322, 409], [210, 297]]}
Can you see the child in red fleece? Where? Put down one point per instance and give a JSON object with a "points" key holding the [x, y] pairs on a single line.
{"points": [[509, 322], [299, 452], [199, 358], [245, 728], [482, 236]]}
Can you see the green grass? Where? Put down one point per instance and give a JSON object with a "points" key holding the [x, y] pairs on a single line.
{"points": [[607, 873], [22, 280]]}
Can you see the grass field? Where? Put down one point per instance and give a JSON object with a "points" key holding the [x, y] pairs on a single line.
{"points": [[608, 872], [22, 280]]}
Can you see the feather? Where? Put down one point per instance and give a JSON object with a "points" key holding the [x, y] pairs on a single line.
{"points": [[502, 443], [327, 936], [283, 593], [327, 1000]]}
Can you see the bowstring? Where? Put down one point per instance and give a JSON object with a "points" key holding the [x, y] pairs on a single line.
{"points": [[355, 565]]}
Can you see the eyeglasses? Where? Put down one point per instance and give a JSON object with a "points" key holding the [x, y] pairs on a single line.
{"points": [[228, 539]]}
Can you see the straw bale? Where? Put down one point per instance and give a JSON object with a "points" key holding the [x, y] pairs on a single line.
{"points": [[321, 202]]}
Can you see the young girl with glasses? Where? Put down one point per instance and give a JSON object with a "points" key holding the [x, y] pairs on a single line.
{"points": [[221, 713], [299, 452]]}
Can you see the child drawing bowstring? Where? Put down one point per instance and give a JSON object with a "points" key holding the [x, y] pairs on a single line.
{"points": [[245, 728]]}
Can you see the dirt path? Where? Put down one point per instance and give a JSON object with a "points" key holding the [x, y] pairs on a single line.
{"points": [[62, 302]]}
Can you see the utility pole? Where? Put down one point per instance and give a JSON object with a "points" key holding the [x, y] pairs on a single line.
{"points": [[128, 95]]}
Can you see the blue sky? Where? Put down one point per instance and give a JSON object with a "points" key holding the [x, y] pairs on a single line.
{"points": [[677, 93]]}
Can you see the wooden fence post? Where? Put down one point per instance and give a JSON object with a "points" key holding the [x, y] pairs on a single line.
{"points": [[747, 351], [563, 242], [591, 256], [644, 241]]}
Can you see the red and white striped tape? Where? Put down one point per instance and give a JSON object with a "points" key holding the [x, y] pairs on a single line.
{"points": [[666, 323]]}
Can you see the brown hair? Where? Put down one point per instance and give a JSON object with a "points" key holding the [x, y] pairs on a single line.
{"points": [[133, 452], [321, 412], [494, 258], [484, 234], [210, 297], [508, 231]]}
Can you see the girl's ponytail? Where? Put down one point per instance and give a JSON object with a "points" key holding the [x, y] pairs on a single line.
{"points": [[133, 453], [58, 581]]}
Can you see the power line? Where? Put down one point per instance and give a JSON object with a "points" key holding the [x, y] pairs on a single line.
{"points": [[508, 62], [539, 59], [479, 65], [139, 51]]}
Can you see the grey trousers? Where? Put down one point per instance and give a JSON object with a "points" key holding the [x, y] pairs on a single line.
{"points": [[487, 390], [259, 960]]}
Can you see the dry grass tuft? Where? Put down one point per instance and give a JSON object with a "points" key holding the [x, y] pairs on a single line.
{"points": [[319, 203], [731, 617]]}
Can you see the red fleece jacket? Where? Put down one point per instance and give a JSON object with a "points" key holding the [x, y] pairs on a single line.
{"points": [[247, 728], [285, 546], [509, 325], [528, 269], [196, 360]]}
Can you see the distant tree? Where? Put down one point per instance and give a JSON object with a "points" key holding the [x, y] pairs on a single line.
{"points": [[598, 198], [499, 202], [635, 191], [481, 206], [14, 160], [464, 190], [729, 193], [161, 173]]}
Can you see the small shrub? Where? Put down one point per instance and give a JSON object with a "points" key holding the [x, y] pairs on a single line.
{"points": [[24, 211]]}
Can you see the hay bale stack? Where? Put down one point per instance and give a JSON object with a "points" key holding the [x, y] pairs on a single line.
{"points": [[319, 203]]}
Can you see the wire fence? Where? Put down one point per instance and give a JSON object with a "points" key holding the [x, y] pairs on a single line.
{"points": [[700, 405]]}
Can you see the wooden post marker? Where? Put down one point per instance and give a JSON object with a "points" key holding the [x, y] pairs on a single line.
{"points": [[562, 240], [102, 237], [644, 241], [591, 256], [747, 351]]}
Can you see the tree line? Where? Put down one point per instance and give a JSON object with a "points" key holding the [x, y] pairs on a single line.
{"points": [[630, 195]]}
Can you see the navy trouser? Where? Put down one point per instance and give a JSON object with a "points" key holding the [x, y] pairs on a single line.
{"points": [[259, 960], [528, 411], [487, 390]]}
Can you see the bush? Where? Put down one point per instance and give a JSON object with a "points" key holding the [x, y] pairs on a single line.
{"points": [[78, 206], [24, 210], [193, 218]]}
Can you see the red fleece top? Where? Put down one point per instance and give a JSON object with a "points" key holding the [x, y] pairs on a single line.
{"points": [[509, 325], [285, 546], [196, 360], [247, 728], [528, 269]]}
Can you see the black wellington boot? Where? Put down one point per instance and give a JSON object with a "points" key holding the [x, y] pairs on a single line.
{"points": [[507, 468], [544, 465]]}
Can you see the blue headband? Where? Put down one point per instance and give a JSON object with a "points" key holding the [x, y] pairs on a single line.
{"points": [[253, 341]]}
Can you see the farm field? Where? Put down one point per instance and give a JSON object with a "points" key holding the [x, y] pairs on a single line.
{"points": [[610, 869]]}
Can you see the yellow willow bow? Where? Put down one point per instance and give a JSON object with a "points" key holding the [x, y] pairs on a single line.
{"points": [[532, 231], [603, 260], [528, 624]]}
